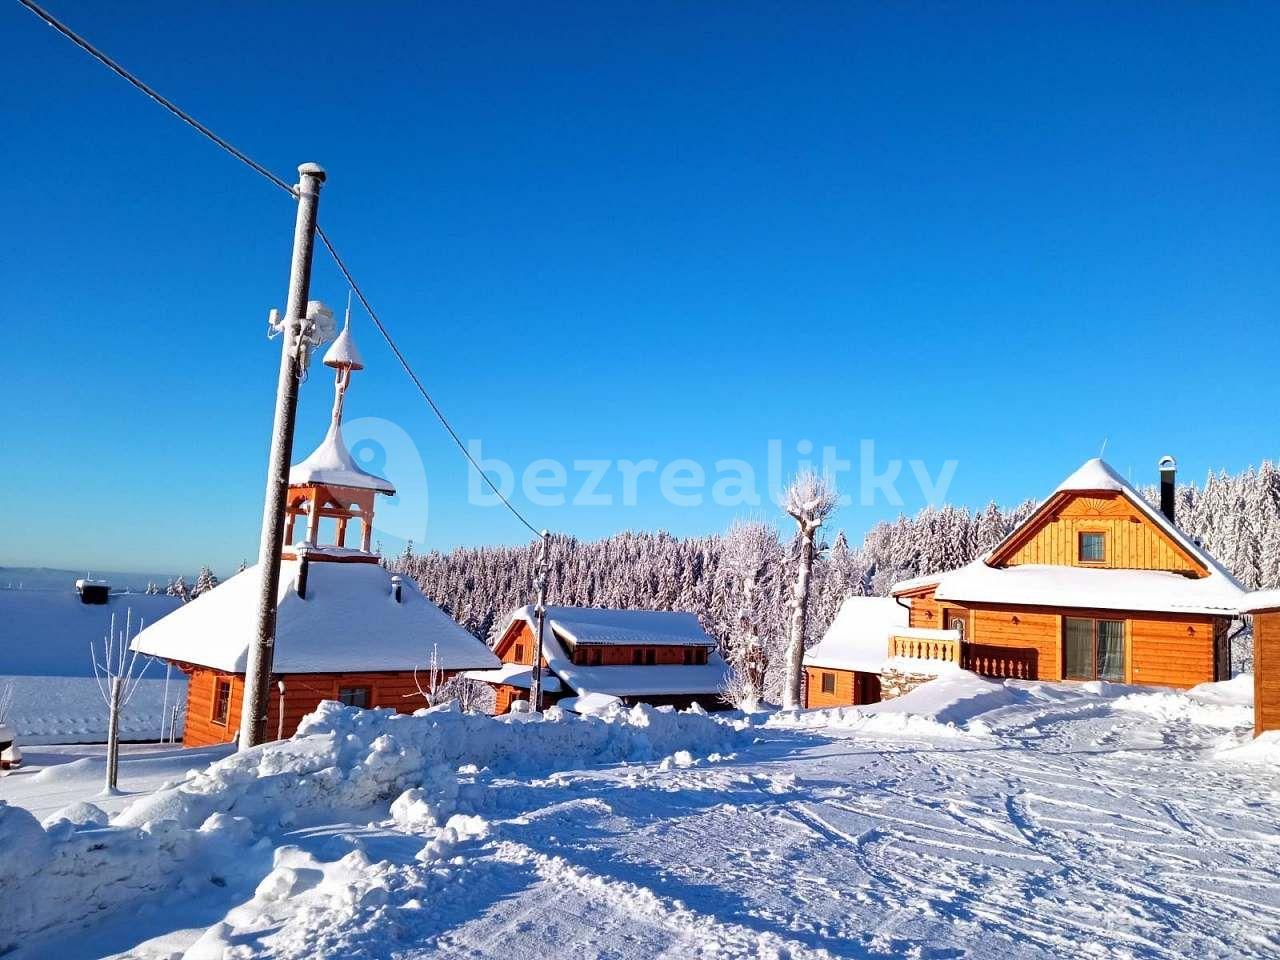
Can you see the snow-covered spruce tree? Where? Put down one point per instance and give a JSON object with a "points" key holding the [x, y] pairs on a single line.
{"points": [[750, 559], [178, 588], [809, 500], [206, 580]]}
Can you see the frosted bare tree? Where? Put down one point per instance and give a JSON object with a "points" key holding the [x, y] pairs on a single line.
{"points": [[435, 688], [809, 500], [750, 558], [113, 669]]}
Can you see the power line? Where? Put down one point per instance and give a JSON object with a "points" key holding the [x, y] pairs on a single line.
{"points": [[116, 68], [328, 244], [155, 95]]}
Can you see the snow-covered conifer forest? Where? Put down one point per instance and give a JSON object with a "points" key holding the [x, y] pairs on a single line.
{"points": [[1236, 517]]}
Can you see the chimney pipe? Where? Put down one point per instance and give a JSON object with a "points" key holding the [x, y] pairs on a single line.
{"points": [[1168, 485], [395, 587], [304, 567]]}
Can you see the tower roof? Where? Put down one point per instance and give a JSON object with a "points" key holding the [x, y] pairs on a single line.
{"points": [[343, 352], [331, 464]]}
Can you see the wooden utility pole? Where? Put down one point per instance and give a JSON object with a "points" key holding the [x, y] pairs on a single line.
{"points": [[540, 616], [257, 685]]}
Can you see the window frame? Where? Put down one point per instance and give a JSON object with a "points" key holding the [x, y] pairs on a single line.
{"points": [[1080, 538], [827, 682], [1095, 632], [219, 684], [367, 691], [519, 651]]}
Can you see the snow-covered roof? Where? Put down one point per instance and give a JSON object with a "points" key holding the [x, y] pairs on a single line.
{"points": [[516, 675], [349, 621], [1110, 588], [591, 625], [47, 632], [1261, 600], [858, 638], [342, 352], [598, 625], [331, 463], [1036, 584]]}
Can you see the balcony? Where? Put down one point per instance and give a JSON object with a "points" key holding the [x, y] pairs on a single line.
{"points": [[919, 643]]}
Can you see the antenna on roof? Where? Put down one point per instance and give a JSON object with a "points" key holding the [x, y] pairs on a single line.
{"points": [[1103, 452]]}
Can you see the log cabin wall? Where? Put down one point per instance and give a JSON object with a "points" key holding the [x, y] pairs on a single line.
{"points": [[1173, 650], [1266, 671], [303, 692]]}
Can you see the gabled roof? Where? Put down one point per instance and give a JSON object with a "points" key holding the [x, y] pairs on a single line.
{"points": [[599, 625], [1096, 475], [332, 464], [986, 579], [348, 622], [858, 638]]}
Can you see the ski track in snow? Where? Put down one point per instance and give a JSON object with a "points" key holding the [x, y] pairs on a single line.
{"points": [[1050, 828]]}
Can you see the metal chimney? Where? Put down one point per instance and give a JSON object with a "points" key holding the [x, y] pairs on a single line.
{"points": [[304, 568], [1168, 485], [396, 584]]}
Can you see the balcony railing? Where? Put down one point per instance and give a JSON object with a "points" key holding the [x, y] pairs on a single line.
{"points": [[918, 643]]}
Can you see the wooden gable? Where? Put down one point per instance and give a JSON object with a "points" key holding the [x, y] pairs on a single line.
{"points": [[1133, 541]]}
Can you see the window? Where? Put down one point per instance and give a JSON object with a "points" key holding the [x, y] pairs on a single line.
{"points": [[594, 656], [519, 653], [637, 656], [702, 655], [221, 701], [689, 654], [354, 696], [651, 657], [828, 683], [1093, 547], [1093, 649]]}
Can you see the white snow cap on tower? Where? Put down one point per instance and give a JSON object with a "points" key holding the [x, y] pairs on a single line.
{"points": [[342, 352], [331, 463]]}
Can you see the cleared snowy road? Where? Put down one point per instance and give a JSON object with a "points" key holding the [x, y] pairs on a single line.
{"points": [[1040, 821]]}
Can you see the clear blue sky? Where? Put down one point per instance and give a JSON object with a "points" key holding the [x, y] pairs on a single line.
{"points": [[992, 233]]}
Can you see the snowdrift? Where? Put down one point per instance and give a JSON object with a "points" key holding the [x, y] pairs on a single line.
{"points": [[204, 829]]}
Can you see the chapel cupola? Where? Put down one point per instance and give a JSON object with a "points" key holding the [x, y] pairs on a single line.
{"points": [[329, 484]]}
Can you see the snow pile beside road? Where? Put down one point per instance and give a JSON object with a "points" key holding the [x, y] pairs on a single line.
{"points": [[943, 707], [346, 760], [1264, 749]]}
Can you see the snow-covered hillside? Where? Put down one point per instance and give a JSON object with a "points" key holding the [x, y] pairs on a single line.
{"points": [[45, 636], [969, 818]]}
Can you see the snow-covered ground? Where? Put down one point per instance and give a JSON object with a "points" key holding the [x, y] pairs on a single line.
{"points": [[968, 819]]}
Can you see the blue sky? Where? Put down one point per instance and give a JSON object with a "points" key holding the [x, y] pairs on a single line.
{"points": [[995, 234]]}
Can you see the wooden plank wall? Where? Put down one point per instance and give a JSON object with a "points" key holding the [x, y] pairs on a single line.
{"points": [[813, 695], [1266, 671], [1133, 541], [1173, 650], [303, 692], [1169, 650]]}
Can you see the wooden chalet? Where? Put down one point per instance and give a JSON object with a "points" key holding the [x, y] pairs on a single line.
{"points": [[1095, 585], [593, 657], [1265, 608], [843, 669], [346, 629]]}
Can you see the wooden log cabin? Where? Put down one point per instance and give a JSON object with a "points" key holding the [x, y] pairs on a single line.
{"points": [[1265, 608], [346, 629], [1096, 584], [843, 668], [594, 657]]}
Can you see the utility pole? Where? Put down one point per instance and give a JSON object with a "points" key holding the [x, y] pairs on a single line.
{"points": [[540, 615], [257, 686]]}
